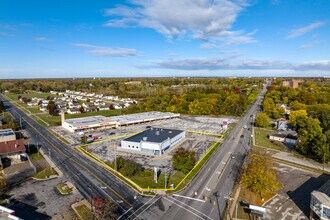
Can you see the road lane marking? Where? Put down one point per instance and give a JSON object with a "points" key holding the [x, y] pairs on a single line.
{"points": [[192, 208], [124, 213], [198, 216], [186, 197], [76, 162], [145, 208]]}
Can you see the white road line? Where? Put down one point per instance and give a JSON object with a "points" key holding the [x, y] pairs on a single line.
{"points": [[192, 208], [145, 208], [124, 213], [184, 208], [212, 176], [186, 197]]}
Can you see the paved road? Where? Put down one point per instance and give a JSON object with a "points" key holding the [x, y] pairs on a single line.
{"points": [[209, 185], [90, 179]]}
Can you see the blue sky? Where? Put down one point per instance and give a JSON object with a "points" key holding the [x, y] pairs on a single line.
{"points": [[133, 38]]}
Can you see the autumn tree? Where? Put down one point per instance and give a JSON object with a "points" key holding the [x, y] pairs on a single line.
{"points": [[183, 160], [51, 107], [295, 114], [262, 120], [259, 175]]}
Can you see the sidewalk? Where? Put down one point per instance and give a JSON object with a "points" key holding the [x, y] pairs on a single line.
{"points": [[292, 159]]}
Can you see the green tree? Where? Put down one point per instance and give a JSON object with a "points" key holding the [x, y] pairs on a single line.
{"points": [[183, 160], [295, 114], [262, 120], [2, 107], [259, 175]]}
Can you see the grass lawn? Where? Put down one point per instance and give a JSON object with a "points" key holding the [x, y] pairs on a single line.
{"points": [[31, 95], [148, 181], [85, 213], [44, 174], [261, 139], [63, 189]]}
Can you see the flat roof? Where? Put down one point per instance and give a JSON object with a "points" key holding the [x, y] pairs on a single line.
{"points": [[120, 119], [156, 135], [6, 132], [77, 122]]}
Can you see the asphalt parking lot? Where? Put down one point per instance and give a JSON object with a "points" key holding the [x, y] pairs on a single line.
{"points": [[40, 199], [292, 201], [200, 143]]}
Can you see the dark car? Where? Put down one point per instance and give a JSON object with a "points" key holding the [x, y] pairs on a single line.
{"points": [[242, 136], [244, 203], [112, 133]]}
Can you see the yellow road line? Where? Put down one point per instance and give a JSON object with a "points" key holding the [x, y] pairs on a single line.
{"points": [[205, 133], [82, 166]]}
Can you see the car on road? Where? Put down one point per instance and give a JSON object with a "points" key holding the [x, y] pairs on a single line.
{"points": [[233, 156], [112, 133]]}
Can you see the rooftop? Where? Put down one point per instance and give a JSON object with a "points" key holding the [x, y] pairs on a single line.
{"points": [[6, 132], [14, 146], [156, 135], [121, 119], [323, 194]]}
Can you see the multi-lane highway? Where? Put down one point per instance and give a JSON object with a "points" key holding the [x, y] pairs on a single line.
{"points": [[90, 179], [204, 198], [211, 189]]}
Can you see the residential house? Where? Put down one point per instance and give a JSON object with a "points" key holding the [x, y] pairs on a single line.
{"points": [[282, 124], [284, 138], [74, 111], [103, 107]]}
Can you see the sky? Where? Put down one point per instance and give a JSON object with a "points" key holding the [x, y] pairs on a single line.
{"points": [[164, 38]]}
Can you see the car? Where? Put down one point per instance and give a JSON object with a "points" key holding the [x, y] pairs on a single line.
{"points": [[244, 203], [112, 133], [233, 156], [81, 133], [242, 136], [148, 126]]}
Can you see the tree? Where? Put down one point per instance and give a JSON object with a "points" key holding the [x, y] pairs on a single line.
{"points": [[183, 160], [262, 120], [51, 107], [2, 107], [259, 175], [295, 114]]}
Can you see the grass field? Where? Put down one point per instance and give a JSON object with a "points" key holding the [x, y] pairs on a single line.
{"points": [[85, 213], [145, 182], [30, 95], [63, 189], [261, 139], [44, 174]]}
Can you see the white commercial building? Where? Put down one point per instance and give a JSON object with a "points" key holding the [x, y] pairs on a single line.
{"points": [[101, 122], [154, 141]]}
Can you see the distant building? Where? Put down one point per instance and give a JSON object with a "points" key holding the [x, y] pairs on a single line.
{"points": [[292, 83], [155, 141], [320, 203]]}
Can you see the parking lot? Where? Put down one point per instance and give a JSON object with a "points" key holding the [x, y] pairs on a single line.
{"points": [[292, 201], [107, 147]]}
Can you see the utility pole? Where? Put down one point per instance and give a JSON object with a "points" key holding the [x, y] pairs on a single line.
{"points": [[165, 183]]}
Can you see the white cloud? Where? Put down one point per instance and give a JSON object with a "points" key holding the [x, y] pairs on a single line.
{"points": [[303, 30], [107, 51], [312, 44], [196, 19], [41, 39], [323, 65], [231, 63]]}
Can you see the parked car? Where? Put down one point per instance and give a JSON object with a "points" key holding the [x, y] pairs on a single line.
{"points": [[112, 133]]}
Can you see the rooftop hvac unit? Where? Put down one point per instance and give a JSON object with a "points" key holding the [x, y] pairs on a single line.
{"points": [[145, 138], [170, 132], [157, 132]]}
